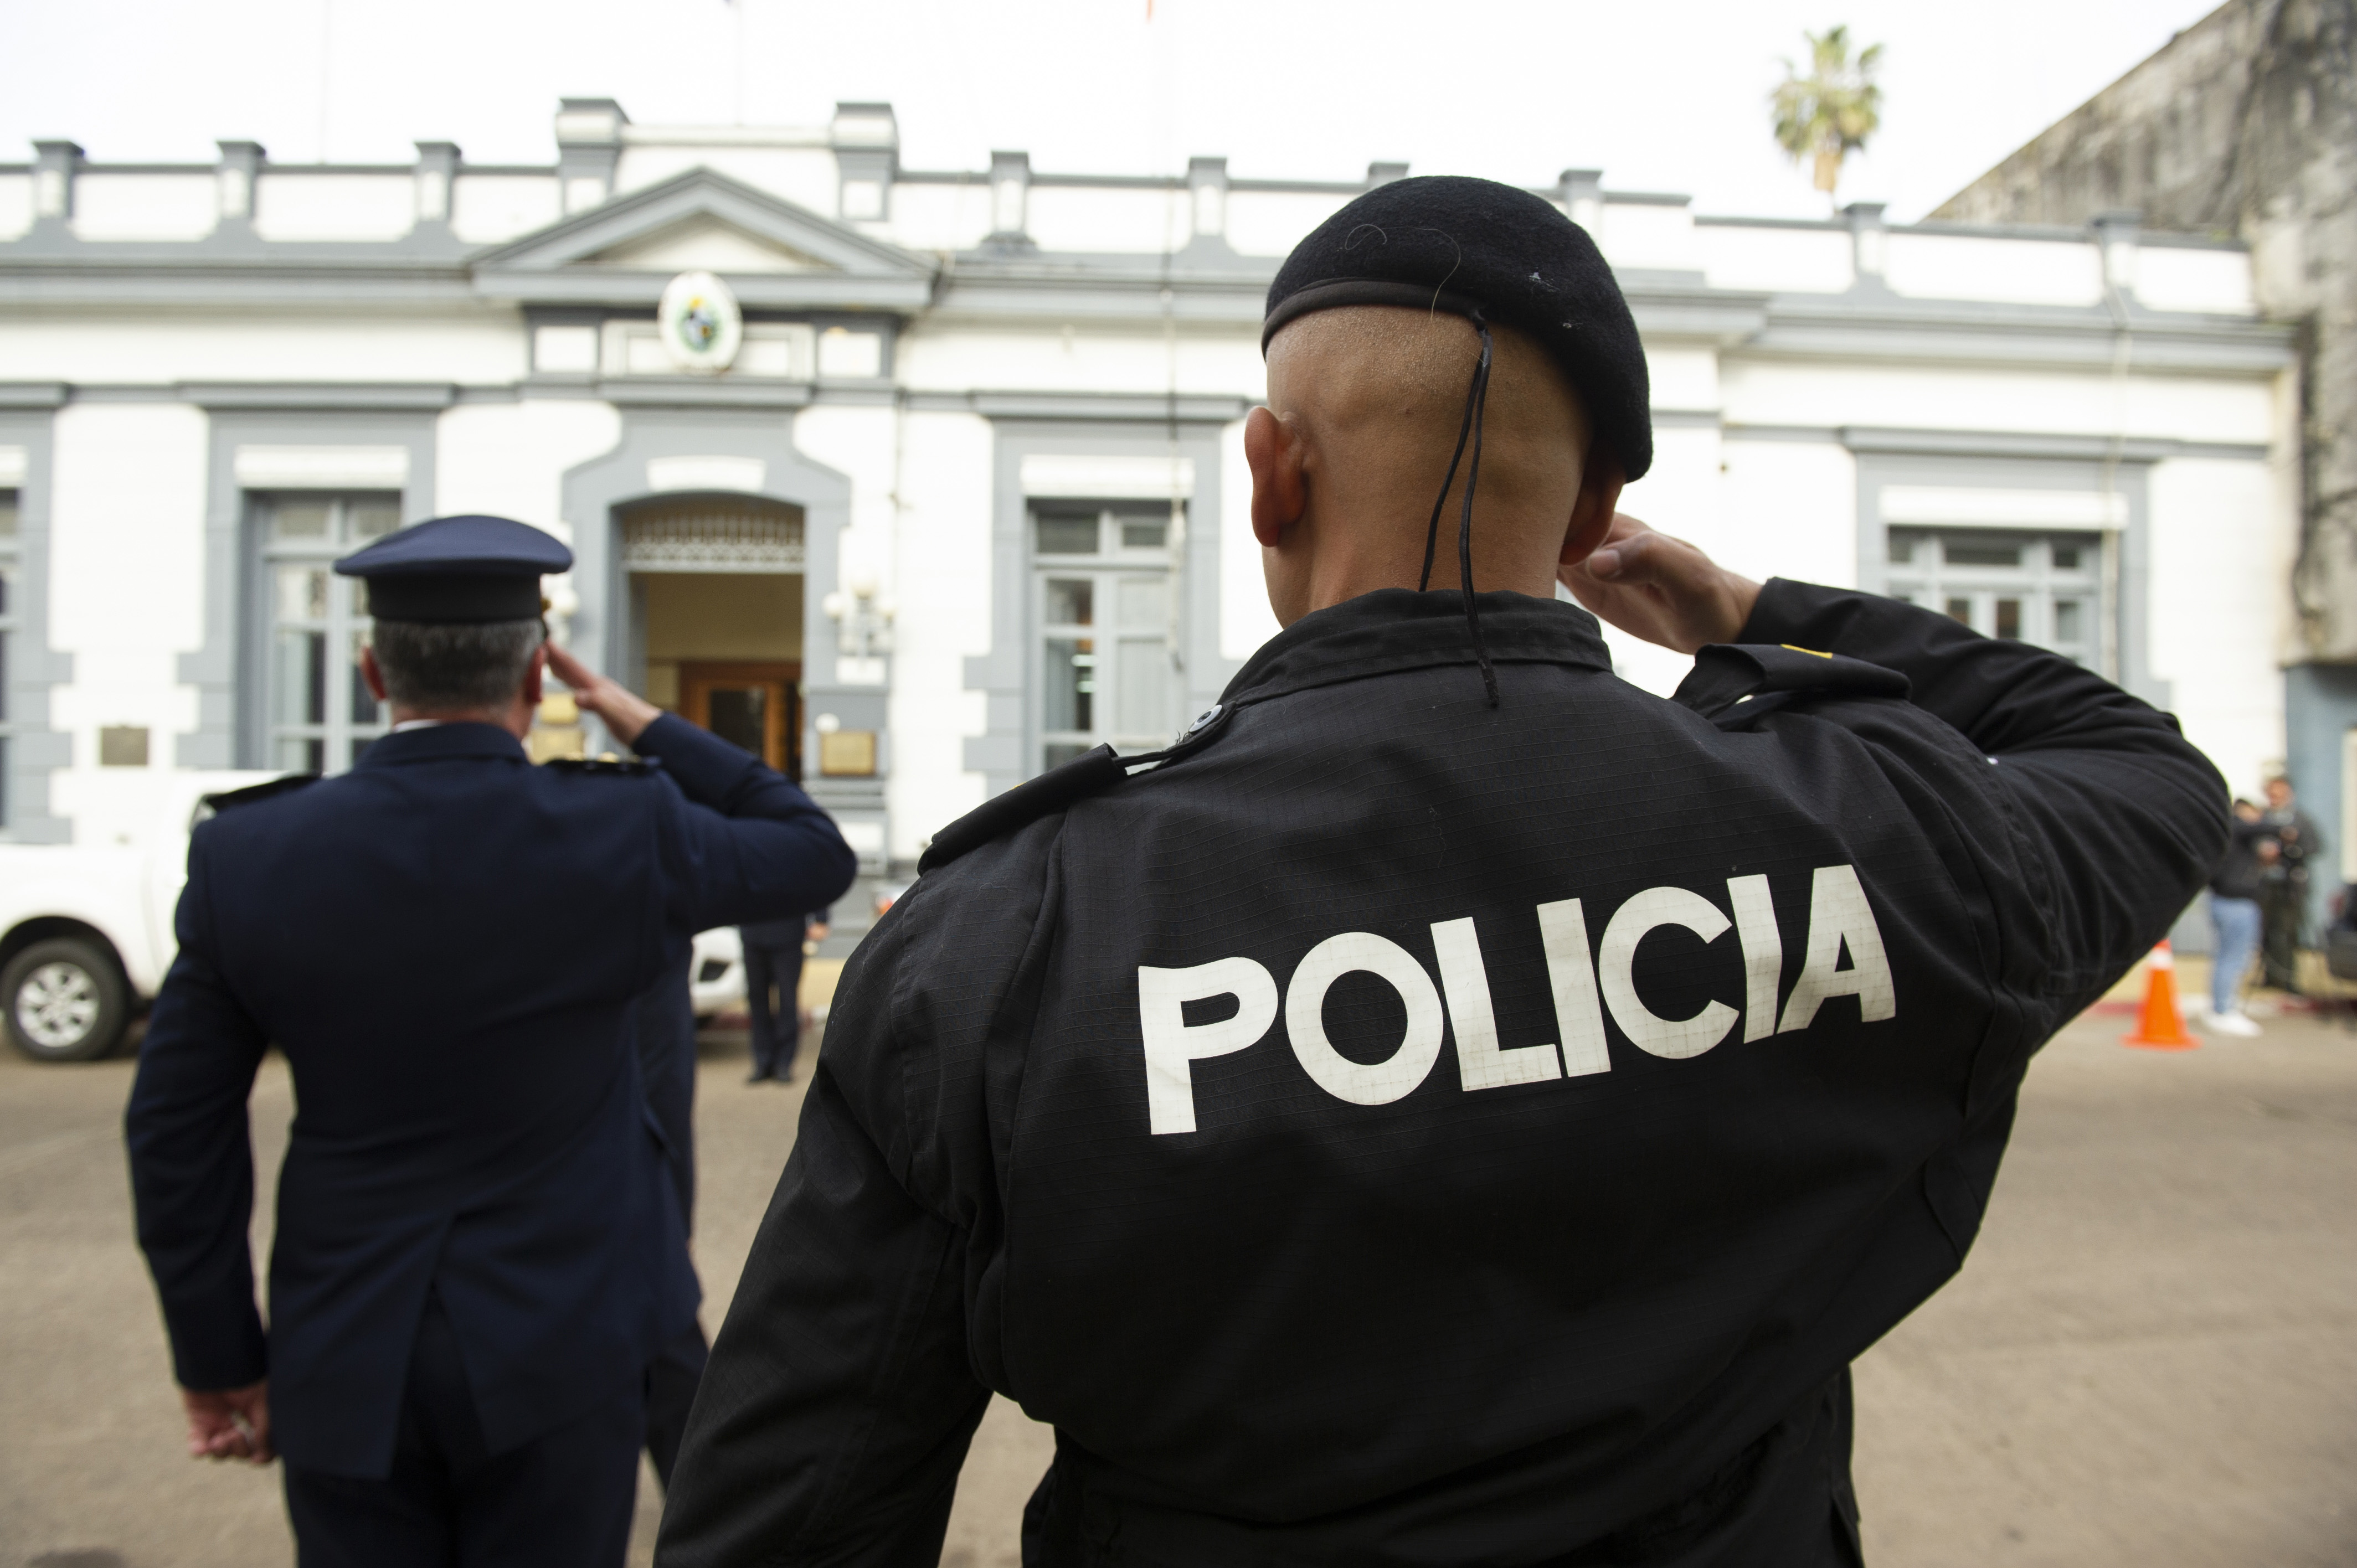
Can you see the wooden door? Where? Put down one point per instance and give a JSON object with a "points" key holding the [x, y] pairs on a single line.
{"points": [[757, 707]]}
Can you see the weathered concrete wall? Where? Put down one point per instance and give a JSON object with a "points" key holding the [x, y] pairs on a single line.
{"points": [[2244, 125]]}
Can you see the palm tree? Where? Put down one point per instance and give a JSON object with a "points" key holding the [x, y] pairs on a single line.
{"points": [[1831, 111]]}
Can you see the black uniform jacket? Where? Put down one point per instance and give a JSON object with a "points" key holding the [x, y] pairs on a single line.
{"points": [[447, 943], [1400, 1131]]}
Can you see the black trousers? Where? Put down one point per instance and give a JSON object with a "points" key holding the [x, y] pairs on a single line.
{"points": [[563, 1500], [670, 1392], [777, 1030]]}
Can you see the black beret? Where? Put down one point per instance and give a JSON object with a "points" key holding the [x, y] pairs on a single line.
{"points": [[1446, 242], [457, 570]]}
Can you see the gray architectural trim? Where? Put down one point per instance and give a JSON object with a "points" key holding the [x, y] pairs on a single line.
{"points": [[2000, 443], [2020, 444], [35, 750], [33, 394], [2126, 477], [225, 670], [700, 392], [1003, 754], [380, 397], [604, 631], [1157, 407], [1686, 418]]}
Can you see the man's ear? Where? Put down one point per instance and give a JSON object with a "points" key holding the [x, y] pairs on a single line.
{"points": [[371, 674], [1273, 450], [1591, 513], [533, 673]]}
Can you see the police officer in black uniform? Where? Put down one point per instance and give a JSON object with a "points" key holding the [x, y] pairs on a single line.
{"points": [[478, 1250], [1452, 1107]]}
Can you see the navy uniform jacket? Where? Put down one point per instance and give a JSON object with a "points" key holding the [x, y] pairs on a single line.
{"points": [[1396, 1130], [447, 943]]}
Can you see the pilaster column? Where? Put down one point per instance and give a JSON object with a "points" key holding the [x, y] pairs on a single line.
{"points": [[588, 149], [1010, 202], [1869, 243], [55, 165]]}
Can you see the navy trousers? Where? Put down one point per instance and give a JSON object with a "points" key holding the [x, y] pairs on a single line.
{"points": [[776, 1030], [671, 1392], [563, 1500]]}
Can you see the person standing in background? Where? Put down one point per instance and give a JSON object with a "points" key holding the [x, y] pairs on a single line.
{"points": [[774, 958], [2283, 885], [2234, 919]]}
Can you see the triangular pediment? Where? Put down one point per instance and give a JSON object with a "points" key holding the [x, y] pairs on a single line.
{"points": [[772, 251], [710, 244]]}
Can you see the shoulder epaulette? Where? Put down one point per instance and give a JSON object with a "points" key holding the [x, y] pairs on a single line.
{"points": [[1090, 773], [604, 767], [214, 805], [1725, 673]]}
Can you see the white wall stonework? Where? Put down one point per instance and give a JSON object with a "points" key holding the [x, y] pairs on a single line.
{"points": [[2221, 549], [146, 206], [485, 348], [1056, 357], [1830, 394], [1779, 260], [510, 459], [127, 584], [347, 207], [943, 579]]}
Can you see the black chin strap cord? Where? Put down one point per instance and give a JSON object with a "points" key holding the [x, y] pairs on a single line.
{"points": [[1464, 429], [1477, 401]]}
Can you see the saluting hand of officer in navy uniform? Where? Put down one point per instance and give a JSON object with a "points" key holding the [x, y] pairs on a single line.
{"points": [[1451, 1106], [480, 1250]]}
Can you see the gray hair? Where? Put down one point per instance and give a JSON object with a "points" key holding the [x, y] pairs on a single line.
{"points": [[456, 668]]}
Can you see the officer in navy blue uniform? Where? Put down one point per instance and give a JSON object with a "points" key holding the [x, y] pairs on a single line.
{"points": [[478, 1250], [1453, 1107]]}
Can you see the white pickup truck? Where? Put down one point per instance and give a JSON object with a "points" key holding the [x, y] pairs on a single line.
{"points": [[86, 929]]}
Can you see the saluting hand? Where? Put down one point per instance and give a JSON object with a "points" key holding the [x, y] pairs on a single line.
{"points": [[625, 711], [1660, 588], [229, 1423]]}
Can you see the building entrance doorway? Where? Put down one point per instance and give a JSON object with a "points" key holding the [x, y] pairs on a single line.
{"points": [[755, 706], [715, 595]]}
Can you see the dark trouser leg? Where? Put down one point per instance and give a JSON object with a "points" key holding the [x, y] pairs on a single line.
{"points": [[564, 1498], [2279, 914], [405, 1520], [789, 967], [759, 977], [670, 1390]]}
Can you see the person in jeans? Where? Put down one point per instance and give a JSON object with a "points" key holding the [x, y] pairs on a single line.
{"points": [[2234, 919], [773, 958]]}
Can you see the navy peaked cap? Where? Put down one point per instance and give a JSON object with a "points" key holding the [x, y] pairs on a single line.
{"points": [[1464, 245], [455, 570]]}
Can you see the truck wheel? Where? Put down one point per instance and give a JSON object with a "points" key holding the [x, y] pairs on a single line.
{"points": [[65, 1001]]}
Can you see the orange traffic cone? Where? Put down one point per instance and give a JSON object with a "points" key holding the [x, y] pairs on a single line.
{"points": [[2161, 1029]]}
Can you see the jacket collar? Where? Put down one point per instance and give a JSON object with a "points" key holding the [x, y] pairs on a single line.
{"points": [[1397, 628], [442, 743]]}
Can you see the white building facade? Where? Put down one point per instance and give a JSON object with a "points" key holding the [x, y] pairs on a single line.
{"points": [[968, 495]]}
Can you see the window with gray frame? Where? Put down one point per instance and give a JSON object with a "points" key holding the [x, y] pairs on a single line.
{"points": [[318, 713], [1102, 600], [2043, 588], [9, 609]]}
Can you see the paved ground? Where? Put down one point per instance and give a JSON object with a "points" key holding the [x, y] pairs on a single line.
{"points": [[2151, 1362]]}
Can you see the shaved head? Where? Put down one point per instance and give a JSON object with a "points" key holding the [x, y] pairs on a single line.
{"points": [[1364, 406]]}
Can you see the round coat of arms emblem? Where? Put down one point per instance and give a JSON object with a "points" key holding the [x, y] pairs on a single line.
{"points": [[699, 322]]}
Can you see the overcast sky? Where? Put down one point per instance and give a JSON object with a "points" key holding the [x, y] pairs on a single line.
{"points": [[1661, 96]]}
